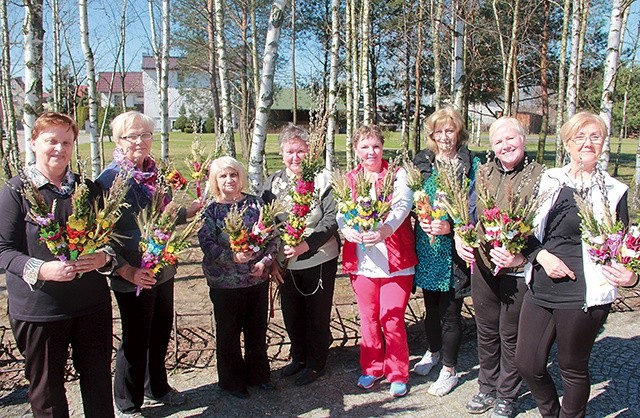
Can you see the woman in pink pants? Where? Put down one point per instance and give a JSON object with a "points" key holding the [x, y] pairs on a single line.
{"points": [[381, 271]]}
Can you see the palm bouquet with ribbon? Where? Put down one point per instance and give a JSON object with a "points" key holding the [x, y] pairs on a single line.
{"points": [[241, 238]]}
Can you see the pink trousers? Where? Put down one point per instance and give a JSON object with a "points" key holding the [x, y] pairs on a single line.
{"points": [[381, 304]]}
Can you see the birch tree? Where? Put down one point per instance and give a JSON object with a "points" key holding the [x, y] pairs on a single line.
{"points": [[364, 62], [294, 84], [355, 65], [33, 40], [574, 67], [164, 80], [436, 23], [560, 107], [91, 88], [211, 65], [56, 85], [458, 55], [618, 8], [276, 19], [544, 82], [12, 149], [227, 122], [333, 84]]}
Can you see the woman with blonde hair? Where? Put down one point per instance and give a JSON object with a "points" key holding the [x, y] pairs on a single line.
{"points": [[569, 295], [238, 282], [440, 273]]}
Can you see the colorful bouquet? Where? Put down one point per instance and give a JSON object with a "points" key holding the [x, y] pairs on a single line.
{"points": [[234, 227], [241, 239], [304, 194], [88, 228], [629, 250], [361, 211], [509, 228], [198, 165], [456, 201], [424, 208], [160, 244], [602, 237]]}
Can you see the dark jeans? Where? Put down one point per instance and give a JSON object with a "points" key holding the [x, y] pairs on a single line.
{"points": [[497, 302], [443, 324], [307, 298], [147, 321], [575, 332], [236, 311], [45, 347]]}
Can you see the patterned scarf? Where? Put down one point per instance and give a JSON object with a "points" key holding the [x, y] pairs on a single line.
{"points": [[146, 177]]}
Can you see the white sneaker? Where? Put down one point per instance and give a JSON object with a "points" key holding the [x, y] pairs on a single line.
{"points": [[446, 381], [424, 366]]}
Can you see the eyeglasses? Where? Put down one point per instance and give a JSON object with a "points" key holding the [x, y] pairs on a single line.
{"points": [[145, 136], [596, 139]]}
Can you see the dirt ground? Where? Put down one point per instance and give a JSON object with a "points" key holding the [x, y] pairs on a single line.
{"points": [[191, 359]]}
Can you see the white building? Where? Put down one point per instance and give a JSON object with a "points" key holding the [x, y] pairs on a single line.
{"points": [[110, 84]]}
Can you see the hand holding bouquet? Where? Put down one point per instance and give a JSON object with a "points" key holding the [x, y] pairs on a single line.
{"points": [[198, 165]]}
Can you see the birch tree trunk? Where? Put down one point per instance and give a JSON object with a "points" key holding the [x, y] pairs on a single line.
{"points": [[625, 103], [610, 72], [164, 80], [12, 150], [458, 55], [33, 40], [544, 91], [333, 84], [511, 78], [349, 82], [406, 82], [355, 67], [364, 62], [91, 87], [56, 85], [583, 31], [436, 24], [276, 19], [212, 67], [254, 55], [414, 137], [294, 93], [561, 83], [574, 70], [227, 122], [123, 63]]}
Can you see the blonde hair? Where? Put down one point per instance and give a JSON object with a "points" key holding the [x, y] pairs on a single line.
{"points": [[223, 163], [367, 131], [578, 121], [440, 117], [508, 121], [123, 122]]}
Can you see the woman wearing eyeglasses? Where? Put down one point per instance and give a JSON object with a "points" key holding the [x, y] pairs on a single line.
{"points": [[569, 295], [147, 318]]}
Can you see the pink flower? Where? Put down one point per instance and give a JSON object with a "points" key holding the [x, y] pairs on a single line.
{"points": [[304, 187], [300, 210], [491, 214]]}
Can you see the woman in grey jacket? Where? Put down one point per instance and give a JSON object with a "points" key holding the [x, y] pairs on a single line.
{"points": [[309, 278]]}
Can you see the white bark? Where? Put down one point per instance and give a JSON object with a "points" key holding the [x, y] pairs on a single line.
{"points": [[56, 85], [12, 149], [355, 67], [436, 20], [561, 84], [349, 106], [574, 70], [164, 80], [458, 55], [91, 87], [33, 40], [227, 123], [254, 54], [294, 84], [610, 73], [276, 19], [333, 83], [364, 62]]}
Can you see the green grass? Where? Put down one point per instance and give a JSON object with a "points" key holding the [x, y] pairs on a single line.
{"points": [[180, 148]]}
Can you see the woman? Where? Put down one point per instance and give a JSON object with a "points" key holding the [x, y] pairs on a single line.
{"points": [[381, 266], [147, 318], [497, 299], [441, 274], [238, 282], [308, 281], [569, 295], [50, 306]]}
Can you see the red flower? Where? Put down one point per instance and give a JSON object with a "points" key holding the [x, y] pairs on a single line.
{"points": [[300, 210], [304, 187]]}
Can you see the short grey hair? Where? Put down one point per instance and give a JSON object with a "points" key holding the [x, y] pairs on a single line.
{"points": [[508, 121], [123, 122], [292, 132]]}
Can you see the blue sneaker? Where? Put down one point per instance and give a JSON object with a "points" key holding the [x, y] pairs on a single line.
{"points": [[398, 389], [366, 381]]}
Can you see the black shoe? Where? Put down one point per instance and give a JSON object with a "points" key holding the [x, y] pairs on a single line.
{"points": [[238, 393], [268, 386], [291, 369], [308, 375], [480, 403]]}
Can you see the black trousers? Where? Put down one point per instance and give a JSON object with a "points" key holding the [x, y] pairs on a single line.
{"points": [[241, 311], [147, 321], [45, 347], [307, 298], [443, 324], [497, 302], [574, 332]]}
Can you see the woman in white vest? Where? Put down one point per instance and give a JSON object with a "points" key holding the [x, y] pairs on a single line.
{"points": [[569, 296]]}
